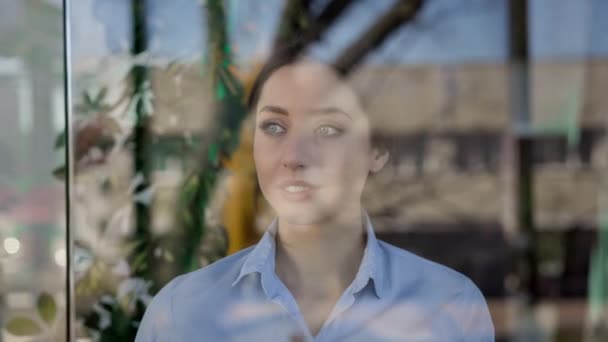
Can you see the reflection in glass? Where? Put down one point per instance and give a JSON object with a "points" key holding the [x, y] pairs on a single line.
{"points": [[163, 189], [32, 208]]}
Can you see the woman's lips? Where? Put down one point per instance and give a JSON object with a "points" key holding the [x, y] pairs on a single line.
{"points": [[297, 190]]}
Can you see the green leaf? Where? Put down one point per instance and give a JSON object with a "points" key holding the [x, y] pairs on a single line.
{"points": [[60, 172], [130, 247], [147, 106], [88, 101], [47, 308], [221, 91], [168, 256], [101, 96], [60, 140], [212, 154], [22, 326], [139, 262]]}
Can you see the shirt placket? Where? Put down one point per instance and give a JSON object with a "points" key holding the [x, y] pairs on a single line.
{"points": [[283, 297], [332, 322]]}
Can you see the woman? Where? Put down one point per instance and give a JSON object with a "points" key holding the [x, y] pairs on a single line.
{"points": [[318, 273]]}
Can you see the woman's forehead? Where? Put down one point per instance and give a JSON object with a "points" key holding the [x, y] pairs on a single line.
{"points": [[306, 71], [307, 84]]}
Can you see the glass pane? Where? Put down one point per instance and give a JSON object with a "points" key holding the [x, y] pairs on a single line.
{"points": [[140, 109], [32, 196], [568, 118], [495, 170]]}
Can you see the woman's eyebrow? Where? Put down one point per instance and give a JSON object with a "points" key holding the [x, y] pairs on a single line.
{"points": [[321, 111], [330, 110], [274, 109]]}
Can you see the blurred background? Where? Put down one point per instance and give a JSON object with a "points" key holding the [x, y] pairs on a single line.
{"points": [[495, 112]]}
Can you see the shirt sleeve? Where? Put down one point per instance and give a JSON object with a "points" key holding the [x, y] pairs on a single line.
{"points": [[156, 324], [477, 321]]}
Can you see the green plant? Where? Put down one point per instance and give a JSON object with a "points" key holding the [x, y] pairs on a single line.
{"points": [[43, 324], [117, 310]]}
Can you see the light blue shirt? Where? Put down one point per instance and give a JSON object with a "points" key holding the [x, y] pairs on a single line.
{"points": [[395, 296]]}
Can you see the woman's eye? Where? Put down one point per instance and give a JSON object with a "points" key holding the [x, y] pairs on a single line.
{"points": [[328, 131], [272, 128]]}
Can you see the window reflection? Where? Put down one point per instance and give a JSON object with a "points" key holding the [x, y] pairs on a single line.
{"points": [[32, 209], [165, 180]]}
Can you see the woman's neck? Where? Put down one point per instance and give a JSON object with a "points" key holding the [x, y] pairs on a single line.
{"points": [[320, 258]]}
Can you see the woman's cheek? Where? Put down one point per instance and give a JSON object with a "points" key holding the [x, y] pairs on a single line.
{"points": [[263, 160], [351, 157], [263, 148]]}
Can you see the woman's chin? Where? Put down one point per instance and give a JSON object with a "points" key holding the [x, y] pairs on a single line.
{"points": [[315, 210], [302, 215]]}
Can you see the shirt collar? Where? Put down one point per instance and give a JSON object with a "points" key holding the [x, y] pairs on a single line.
{"points": [[373, 265], [261, 259]]}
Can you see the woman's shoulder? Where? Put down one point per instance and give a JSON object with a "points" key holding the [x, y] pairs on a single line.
{"points": [[217, 274], [448, 295], [406, 266], [184, 292]]}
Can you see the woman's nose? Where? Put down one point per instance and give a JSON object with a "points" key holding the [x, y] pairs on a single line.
{"points": [[293, 165], [296, 154]]}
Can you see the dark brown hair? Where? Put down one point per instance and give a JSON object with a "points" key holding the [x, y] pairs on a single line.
{"points": [[283, 56]]}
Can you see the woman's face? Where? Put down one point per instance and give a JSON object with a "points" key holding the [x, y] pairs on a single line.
{"points": [[312, 146]]}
